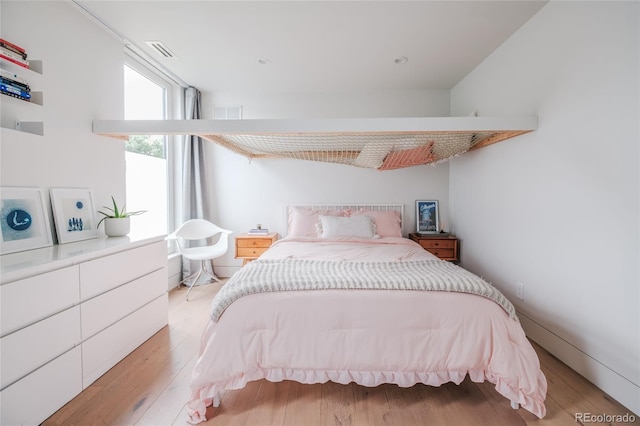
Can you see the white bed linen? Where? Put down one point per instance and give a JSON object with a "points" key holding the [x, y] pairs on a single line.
{"points": [[368, 337]]}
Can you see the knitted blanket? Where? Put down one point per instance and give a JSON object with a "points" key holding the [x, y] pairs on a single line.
{"points": [[270, 275]]}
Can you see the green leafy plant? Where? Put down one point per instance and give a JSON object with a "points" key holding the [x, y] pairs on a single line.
{"points": [[117, 213]]}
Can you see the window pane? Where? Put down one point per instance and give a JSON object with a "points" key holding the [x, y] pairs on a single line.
{"points": [[147, 190], [143, 99], [146, 163]]}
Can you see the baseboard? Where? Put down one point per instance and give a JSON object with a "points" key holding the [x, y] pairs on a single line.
{"points": [[615, 385], [174, 281], [225, 271]]}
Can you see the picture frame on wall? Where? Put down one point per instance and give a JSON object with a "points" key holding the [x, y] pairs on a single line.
{"points": [[427, 220], [74, 214], [24, 220]]}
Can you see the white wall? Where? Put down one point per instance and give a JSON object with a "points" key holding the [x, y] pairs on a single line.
{"points": [[81, 80], [377, 103], [249, 193], [557, 209]]}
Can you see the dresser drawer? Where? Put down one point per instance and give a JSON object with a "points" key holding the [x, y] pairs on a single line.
{"points": [[31, 347], [107, 348], [101, 275], [437, 244], [32, 299], [32, 399], [106, 309]]}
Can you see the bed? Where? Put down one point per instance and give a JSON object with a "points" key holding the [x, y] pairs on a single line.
{"points": [[345, 298]]}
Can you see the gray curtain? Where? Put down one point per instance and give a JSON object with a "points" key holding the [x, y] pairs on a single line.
{"points": [[194, 182]]}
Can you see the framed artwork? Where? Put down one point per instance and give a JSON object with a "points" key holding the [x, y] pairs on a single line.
{"points": [[25, 220], [427, 217], [73, 214]]}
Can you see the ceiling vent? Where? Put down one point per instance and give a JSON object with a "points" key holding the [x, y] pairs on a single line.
{"points": [[160, 49]]}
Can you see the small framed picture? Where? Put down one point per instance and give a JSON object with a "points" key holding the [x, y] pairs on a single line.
{"points": [[25, 220], [74, 214], [427, 221]]}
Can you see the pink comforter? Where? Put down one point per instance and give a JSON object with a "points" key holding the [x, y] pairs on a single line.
{"points": [[367, 337]]}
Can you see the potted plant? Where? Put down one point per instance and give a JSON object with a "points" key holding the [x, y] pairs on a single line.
{"points": [[117, 221]]}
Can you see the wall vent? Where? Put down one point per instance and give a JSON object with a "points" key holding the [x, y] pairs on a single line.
{"points": [[160, 49], [227, 112]]}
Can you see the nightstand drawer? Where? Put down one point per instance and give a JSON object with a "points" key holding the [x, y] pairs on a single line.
{"points": [[442, 253], [437, 244], [255, 242], [250, 252], [443, 246], [250, 247]]}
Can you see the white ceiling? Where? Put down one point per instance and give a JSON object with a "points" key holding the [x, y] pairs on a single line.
{"points": [[317, 46]]}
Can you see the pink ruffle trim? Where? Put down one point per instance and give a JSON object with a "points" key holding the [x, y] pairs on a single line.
{"points": [[203, 397]]}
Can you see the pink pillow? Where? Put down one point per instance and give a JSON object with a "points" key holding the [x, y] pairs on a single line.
{"points": [[387, 221], [304, 222]]}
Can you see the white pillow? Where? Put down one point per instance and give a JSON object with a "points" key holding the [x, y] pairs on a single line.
{"points": [[355, 226]]}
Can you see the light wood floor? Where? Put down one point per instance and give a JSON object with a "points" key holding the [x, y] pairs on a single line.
{"points": [[151, 386]]}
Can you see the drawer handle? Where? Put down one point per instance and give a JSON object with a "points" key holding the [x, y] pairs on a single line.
{"points": [[436, 244]]}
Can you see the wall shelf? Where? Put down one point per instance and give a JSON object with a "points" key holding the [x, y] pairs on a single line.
{"points": [[35, 66], [37, 98], [15, 109]]}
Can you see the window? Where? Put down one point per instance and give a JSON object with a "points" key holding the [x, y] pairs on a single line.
{"points": [[147, 97]]}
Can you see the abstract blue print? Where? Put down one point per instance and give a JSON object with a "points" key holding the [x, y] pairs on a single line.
{"points": [[17, 220], [77, 216]]}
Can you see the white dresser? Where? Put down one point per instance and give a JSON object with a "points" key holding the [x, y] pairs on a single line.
{"points": [[69, 313]]}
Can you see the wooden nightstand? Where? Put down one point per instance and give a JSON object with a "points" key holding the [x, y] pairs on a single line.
{"points": [[250, 247], [445, 247]]}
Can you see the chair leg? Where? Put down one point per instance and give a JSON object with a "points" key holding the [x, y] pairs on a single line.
{"points": [[184, 280], [203, 269], [210, 274], [193, 282]]}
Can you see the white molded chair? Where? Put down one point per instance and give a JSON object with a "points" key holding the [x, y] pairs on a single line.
{"points": [[200, 229]]}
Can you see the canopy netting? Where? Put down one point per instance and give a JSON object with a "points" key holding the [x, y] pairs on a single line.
{"points": [[382, 151]]}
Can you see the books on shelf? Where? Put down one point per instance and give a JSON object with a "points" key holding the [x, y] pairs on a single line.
{"points": [[9, 81], [15, 88], [14, 92], [13, 47], [12, 57], [13, 53], [13, 77], [258, 231], [12, 84]]}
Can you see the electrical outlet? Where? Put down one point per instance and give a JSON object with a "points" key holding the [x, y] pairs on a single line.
{"points": [[520, 291]]}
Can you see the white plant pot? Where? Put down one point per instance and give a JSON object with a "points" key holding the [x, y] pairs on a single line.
{"points": [[117, 227]]}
